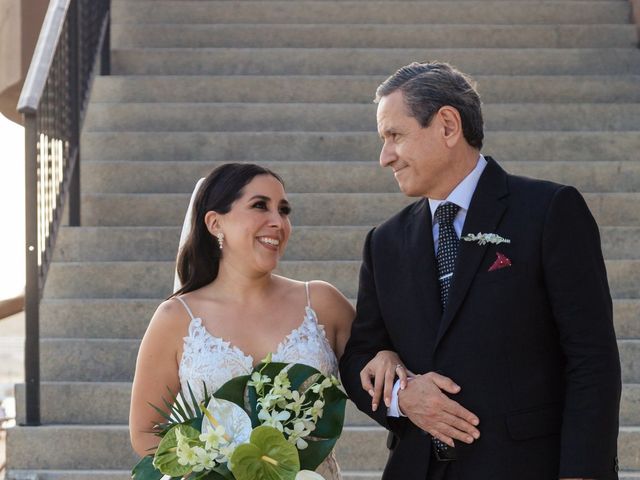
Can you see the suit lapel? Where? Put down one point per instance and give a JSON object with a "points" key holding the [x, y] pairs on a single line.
{"points": [[421, 265], [485, 211]]}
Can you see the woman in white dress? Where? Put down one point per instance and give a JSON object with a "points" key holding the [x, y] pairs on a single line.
{"points": [[232, 310]]}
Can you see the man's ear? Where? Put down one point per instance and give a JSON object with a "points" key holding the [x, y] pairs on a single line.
{"points": [[452, 125], [212, 221]]}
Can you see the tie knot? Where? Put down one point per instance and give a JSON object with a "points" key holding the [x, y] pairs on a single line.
{"points": [[446, 212]]}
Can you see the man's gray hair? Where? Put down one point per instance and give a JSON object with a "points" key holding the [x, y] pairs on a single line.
{"points": [[427, 87]]}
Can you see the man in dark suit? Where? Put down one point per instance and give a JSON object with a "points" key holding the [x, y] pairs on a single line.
{"points": [[492, 288]]}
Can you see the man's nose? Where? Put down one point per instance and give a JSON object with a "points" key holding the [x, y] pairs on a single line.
{"points": [[387, 155]]}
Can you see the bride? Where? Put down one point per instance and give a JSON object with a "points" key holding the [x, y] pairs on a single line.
{"points": [[231, 310]]}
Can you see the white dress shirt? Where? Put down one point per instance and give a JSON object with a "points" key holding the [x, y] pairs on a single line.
{"points": [[461, 196]]}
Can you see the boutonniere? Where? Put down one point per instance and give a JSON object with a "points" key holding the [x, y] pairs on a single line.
{"points": [[484, 238]]}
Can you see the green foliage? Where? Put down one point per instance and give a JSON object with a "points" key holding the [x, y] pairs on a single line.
{"points": [[268, 456], [165, 458]]}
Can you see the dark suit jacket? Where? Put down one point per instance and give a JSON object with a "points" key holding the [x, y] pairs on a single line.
{"points": [[532, 345]]}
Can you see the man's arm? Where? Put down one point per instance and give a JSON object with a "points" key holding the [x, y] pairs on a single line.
{"points": [[368, 337], [576, 282]]}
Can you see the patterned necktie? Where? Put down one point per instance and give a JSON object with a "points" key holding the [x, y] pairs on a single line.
{"points": [[446, 260], [447, 248]]}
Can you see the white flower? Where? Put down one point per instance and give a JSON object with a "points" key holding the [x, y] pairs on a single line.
{"points": [[484, 238], [234, 421], [274, 419], [204, 460], [316, 409], [308, 475], [258, 381], [281, 385], [297, 402], [297, 433], [225, 453], [186, 455], [213, 437], [319, 387]]}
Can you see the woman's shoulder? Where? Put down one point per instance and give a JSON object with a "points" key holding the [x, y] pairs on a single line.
{"points": [[170, 316], [329, 303]]}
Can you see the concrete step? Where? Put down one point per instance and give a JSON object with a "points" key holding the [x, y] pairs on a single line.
{"points": [[98, 403], [127, 318], [316, 209], [106, 176], [95, 403], [372, 36], [113, 360], [345, 12], [155, 279], [351, 146], [370, 61], [353, 88], [107, 244], [126, 475], [235, 117], [107, 447]]}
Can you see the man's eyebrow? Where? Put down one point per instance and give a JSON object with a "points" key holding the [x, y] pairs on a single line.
{"points": [[388, 131]]}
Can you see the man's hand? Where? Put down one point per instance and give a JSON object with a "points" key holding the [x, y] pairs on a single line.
{"points": [[432, 411]]}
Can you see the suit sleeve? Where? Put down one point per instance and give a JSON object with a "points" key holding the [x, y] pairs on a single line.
{"points": [[576, 282], [368, 337]]}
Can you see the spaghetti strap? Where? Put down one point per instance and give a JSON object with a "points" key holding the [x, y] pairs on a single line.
{"points": [[186, 307], [306, 287]]}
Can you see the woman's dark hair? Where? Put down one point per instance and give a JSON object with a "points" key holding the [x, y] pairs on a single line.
{"points": [[199, 258]]}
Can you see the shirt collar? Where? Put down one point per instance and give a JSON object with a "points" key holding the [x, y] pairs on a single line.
{"points": [[462, 194]]}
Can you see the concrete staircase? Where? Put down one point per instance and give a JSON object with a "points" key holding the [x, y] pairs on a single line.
{"points": [[289, 84]]}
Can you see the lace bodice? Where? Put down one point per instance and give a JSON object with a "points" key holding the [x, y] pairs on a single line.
{"points": [[213, 361]]}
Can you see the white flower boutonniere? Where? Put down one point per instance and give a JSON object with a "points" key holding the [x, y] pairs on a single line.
{"points": [[484, 238]]}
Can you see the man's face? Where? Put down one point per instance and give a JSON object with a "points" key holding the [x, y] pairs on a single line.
{"points": [[418, 156]]}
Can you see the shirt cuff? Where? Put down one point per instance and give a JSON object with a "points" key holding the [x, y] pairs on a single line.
{"points": [[394, 408]]}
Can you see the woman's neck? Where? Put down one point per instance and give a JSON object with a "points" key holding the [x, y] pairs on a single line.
{"points": [[240, 286]]}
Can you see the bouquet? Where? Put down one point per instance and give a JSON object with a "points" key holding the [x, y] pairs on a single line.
{"points": [[277, 423]]}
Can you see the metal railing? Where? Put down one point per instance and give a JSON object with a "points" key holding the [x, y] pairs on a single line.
{"points": [[74, 35]]}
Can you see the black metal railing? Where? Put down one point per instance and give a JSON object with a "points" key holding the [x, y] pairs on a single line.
{"points": [[73, 41]]}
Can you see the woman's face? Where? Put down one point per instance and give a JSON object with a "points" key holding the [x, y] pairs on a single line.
{"points": [[257, 227]]}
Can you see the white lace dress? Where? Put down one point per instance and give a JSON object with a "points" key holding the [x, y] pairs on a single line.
{"points": [[214, 361]]}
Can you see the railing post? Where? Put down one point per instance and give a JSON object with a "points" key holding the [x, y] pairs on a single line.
{"points": [[105, 54], [32, 254], [75, 100]]}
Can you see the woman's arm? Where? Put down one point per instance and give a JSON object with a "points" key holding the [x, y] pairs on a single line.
{"points": [[156, 370], [334, 311]]}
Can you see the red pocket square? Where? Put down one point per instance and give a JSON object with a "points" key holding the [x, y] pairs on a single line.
{"points": [[502, 261]]}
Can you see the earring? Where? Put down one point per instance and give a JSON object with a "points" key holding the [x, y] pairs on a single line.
{"points": [[220, 237]]}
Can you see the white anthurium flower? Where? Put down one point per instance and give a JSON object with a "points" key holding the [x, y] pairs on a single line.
{"points": [[308, 475], [227, 419]]}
